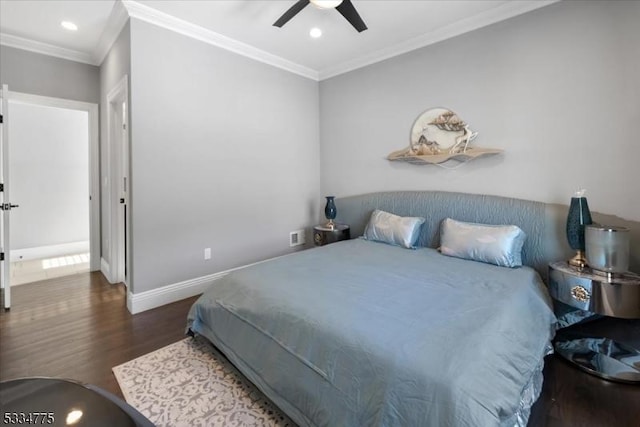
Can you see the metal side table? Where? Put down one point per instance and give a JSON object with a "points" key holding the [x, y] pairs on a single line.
{"points": [[617, 296]]}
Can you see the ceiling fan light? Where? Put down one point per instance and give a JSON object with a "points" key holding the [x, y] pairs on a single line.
{"points": [[326, 4]]}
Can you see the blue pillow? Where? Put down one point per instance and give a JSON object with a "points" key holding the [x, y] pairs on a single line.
{"points": [[494, 244], [393, 229]]}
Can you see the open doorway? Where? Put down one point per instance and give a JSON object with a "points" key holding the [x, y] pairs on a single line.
{"points": [[49, 173], [52, 175]]}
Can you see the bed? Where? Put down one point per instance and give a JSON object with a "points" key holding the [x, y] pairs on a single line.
{"points": [[365, 333]]}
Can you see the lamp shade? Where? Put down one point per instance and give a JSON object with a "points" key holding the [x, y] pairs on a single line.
{"points": [[607, 248], [579, 216]]}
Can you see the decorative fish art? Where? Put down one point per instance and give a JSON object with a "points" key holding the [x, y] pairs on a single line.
{"points": [[439, 135]]}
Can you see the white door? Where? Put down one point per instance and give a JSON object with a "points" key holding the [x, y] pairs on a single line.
{"points": [[5, 204]]}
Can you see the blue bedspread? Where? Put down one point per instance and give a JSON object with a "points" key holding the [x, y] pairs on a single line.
{"points": [[360, 333]]}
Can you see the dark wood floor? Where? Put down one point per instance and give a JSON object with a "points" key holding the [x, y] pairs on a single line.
{"points": [[573, 398], [78, 327]]}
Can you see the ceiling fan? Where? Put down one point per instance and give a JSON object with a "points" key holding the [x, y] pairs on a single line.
{"points": [[345, 7]]}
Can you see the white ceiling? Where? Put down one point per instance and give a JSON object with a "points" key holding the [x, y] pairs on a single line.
{"points": [[246, 26]]}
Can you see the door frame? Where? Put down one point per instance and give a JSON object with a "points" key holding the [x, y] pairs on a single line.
{"points": [[94, 162], [118, 185], [5, 270]]}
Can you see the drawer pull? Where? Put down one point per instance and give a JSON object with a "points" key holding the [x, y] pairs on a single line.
{"points": [[580, 293]]}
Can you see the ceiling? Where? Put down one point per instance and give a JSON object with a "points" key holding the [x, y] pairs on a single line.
{"points": [[245, 26]]}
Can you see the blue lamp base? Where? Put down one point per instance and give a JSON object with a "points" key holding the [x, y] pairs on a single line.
{"points": [[578, 217], [330, 212]]}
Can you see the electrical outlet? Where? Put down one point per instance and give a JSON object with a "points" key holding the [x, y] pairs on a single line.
{"points": [[296, 238], [207, 253]]}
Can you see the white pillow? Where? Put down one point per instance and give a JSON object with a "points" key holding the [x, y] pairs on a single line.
{"points": [[494, 244], [393, 229]]}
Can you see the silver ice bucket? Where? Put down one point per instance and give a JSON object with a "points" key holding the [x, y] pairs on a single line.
{"points": [[607, 248]]}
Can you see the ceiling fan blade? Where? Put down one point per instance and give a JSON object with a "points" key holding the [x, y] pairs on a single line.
{"points": [[351, 14], [293, 11]]}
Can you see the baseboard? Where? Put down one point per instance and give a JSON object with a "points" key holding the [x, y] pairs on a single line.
{"points": [[139, 302], [49, 251]]}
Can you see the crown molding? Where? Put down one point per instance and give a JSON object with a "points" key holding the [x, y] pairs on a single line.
{"points": [[116, 22], [500, 13], [169, 22], [123, 9], [45, 49]]}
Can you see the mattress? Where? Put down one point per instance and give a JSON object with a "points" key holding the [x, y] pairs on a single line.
{"points": [[364, 333]]}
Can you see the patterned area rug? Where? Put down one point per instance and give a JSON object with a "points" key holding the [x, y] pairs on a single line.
{"points": [[189, 383]]}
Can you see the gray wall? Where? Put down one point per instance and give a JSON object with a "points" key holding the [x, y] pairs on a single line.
{"points": [[224, 155], [557, 88], [38, 74], [229, 153], [116, 64]]}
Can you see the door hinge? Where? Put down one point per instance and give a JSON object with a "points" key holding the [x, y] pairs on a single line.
{"points": [[1, 120], [1, 187], [1, 256]]}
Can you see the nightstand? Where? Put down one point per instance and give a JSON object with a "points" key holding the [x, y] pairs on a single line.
{"points": [[324, 234], [617, 296]]}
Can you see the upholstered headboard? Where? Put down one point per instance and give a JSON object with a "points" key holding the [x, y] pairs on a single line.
{"points": [[543, 223]]}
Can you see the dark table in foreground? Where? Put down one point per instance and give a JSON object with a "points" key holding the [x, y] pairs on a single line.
{"points": [[57, 402]]}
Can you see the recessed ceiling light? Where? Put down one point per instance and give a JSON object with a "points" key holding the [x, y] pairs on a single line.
{"points": [[315, 32], [68, 25]]}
